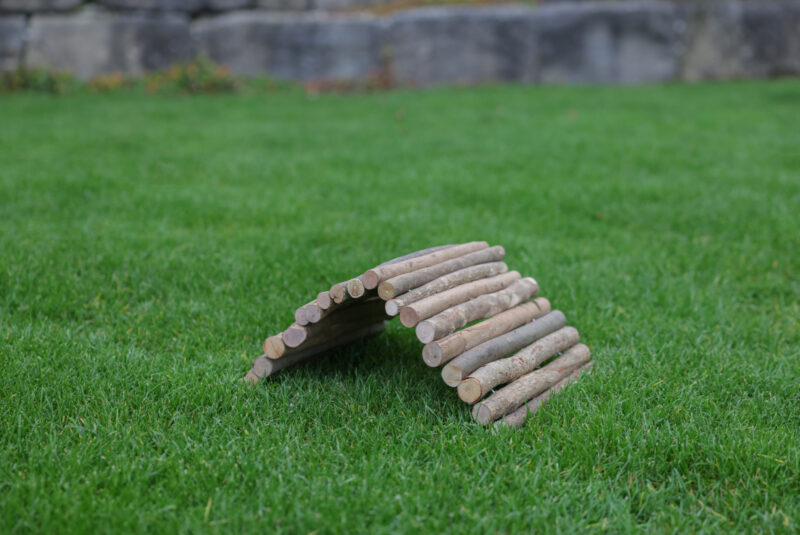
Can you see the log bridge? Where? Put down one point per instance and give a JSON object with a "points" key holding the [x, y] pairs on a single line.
{"points": [[499, 344]]}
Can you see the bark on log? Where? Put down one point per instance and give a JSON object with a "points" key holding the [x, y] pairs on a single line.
{"points": [[273, 366], [503, 371], [469, 361], [336, 324], [440, 351], [274, 348], [445, 282], [513, 395], [374, 276], [403, 283], [324, 300], [521, 415], [481, 307], [412, 314]]}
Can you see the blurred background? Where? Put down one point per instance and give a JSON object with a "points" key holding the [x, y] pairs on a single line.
{"points": [[409, 42]]}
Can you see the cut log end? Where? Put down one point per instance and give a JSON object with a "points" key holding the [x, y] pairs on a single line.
{"points": [[251, 378], [294, 336], [370, 279], [408, 317], [300, 317], [386, 290], [426, 332], [355, 288], [274, 347], [452, 375], [432, 354], [338, 292], [313, 313], [324, 300], [469, 390], [482, 414], [391, 308]]}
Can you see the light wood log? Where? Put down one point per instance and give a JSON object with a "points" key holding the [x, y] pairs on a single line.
{"points": [[469, 361], [339, 293], [251, 378], [335, 324], [324, 300], [300, 316], [403, 283], [355, 288], [273, 366], [374, 276], [502, 371], [481, 307], [314, 312], [520, 416], [530, 385], [412, 314], [445, 349], [445, 282], [274, 348]]}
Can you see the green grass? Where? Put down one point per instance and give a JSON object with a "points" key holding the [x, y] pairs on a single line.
{"points": [[149, 243]]}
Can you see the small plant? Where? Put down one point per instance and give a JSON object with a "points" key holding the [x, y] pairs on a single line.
{"points": [[36, 80], [201, 75]]}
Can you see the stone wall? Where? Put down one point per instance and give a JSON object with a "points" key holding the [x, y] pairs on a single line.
{"points": [[637, 41]]}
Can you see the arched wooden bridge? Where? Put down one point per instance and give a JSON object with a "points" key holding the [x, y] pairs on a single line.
{"points": [[502, 347]]}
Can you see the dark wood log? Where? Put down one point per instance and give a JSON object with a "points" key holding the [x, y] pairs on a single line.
{"points": [[481, 307], [503, 371], [412, 314], [403, 283], [469, 361], [445, 349], [374, 276], [336, 324], [518, 417], [513, 395], [273, 366], [445, 282]]}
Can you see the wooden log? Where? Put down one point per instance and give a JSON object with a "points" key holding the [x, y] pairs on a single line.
{"points": [[502, 371], [412, 314], [469, 361], [273, 366], [520, 416], [374, 276], [335, 324], [300, 316], [481, 307], [445, 282], [274, 348], [445, 349], [324, 300], [314, 312], [251, 378], [338, 292], [403, 283], [530, 385]]}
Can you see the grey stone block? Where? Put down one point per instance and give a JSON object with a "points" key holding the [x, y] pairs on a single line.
{"points": [[627, 42], [153, 5], [714, 43], [12, 41], [285, 5], [183, 6], [37, 6], [305, 47], [770, 39], [95, 42], [458, 45]]}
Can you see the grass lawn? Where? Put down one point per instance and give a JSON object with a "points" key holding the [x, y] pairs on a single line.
{"points": [[149, 243]]}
